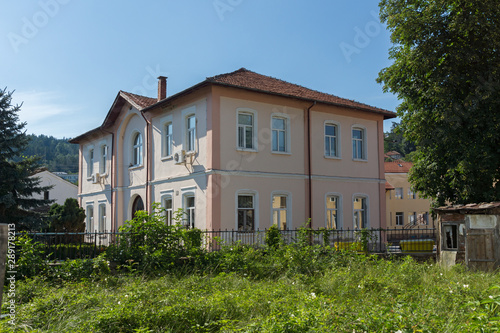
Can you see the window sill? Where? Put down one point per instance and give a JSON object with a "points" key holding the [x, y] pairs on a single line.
{"points": [[332, 157], [246, 150], [360, 160], [135, 167], [281, 153], [167, 158]]}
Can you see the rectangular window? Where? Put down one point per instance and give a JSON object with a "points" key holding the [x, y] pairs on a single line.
{"points": [[245, 131], [399, 218], [167, 140], [90, 219], [399, 193], [191, 133], [280, 212], [246, 213], [90, 167], [167, 204], [279, 135], [423, 218], [46, 195], [102, 218], [450, 241], [104, 157], [358, 137], [332, 212], [189, 207], [412, 218], [331, 144], [360, 217], [411, 193]]}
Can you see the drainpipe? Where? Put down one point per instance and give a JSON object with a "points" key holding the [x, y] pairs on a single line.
{"points": [[309, 173], [112, 176], [148, 174]]}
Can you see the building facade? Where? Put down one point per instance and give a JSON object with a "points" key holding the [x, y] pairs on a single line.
{"points": [[237, 151], [405, 209]]}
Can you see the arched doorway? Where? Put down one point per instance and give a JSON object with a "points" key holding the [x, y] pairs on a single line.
{"points": [[137, 205]]}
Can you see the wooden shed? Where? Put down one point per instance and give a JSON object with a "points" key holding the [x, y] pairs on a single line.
{"points": [[470, 234]]}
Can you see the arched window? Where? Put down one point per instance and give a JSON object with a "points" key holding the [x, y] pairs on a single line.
{"points": [[137, 150], [137, 205]]}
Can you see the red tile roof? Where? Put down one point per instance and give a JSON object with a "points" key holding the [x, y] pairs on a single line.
{"points": [[471, 207], [140, 102], [243, 78], [397, 167], [388, 186]]}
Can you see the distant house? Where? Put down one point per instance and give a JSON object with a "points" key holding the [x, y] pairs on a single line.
{"points": [[405, 209], [62, 189], [73, 177], [394, 155], [241, 151]]}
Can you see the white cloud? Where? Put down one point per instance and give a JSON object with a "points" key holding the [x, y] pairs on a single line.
{"points": [[45, 112]]}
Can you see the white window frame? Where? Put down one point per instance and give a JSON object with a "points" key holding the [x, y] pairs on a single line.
{"points": [[411, 193], [102, 217], [103, 169], [287, 131], [137, 150], [253, 113], [168, 211], [89, 220], [255, 196], [401, 219], [167, 140], [363, 140], [90, 162], [190, 134], [366, 210], [337, 139], [288, 208], [412, 218], [190, 211], [339, 224], [399, 195]]}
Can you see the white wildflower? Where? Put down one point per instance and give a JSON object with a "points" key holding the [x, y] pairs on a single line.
{"points": [[466, 286], [313, 295]]}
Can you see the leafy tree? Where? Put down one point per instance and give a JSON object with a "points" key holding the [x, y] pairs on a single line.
{"points": [[446, 73], [395, 141], [69, 217], [17, 186]]}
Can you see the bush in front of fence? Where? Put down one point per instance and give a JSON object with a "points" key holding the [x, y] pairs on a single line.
{"points": [[148, 244]]}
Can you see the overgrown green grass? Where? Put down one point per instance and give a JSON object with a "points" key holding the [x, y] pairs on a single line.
{"points": [[352, 293]]}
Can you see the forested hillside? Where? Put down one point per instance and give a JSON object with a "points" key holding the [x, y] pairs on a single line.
{"points": [[55, 154]]}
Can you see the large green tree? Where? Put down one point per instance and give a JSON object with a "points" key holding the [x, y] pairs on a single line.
{"points": [[69, 217], [17, 184], [446, 71]]}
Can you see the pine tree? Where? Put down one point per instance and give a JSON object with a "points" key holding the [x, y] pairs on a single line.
{"points": [[17, 184]]}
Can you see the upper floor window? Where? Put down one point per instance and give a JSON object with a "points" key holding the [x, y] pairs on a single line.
{"points": [[104, 157], [167, 139], [246, 212], [279, 134], [137, 150], [360, 214], [191, 133], [90, 167], [331, 140], [411, 193], [280, 211], [399, 193], [358, 144], [245, 130], [332, 212]]}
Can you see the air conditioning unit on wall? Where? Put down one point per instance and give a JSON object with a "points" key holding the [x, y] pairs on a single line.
{"points": [[179, 157], [96, 178]]}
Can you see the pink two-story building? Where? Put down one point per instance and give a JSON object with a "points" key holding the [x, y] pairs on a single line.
{"points": [[239, 151]]}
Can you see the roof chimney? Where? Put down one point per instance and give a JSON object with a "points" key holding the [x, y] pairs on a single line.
{"points": [[162, 87]]}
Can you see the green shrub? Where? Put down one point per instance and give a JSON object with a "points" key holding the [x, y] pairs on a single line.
{"points": [[273, 237], [30, 256]]}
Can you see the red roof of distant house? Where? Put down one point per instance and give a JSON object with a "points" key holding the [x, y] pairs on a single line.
{"points": [[397, 167], [392, 153], [388, 186]]}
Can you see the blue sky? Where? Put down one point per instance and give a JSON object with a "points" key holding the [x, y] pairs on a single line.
{"points": [[67, 59]]}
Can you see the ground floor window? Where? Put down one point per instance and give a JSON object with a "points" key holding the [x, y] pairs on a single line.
{"points": [[280, 211], [332, 212], [102, 218], [167, 205], [360, 217], [137, 205], [399, 218], [189, 207], [246, 212], [90, 219]]}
